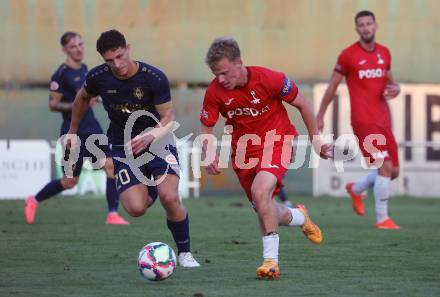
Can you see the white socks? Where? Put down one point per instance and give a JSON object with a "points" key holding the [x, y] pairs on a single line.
{"points": [[381, 196], [366, 182], [271, 245], [297, 217]]}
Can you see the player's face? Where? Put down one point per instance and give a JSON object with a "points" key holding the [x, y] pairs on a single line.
{"points": [[228, 73], [75, 49], [366, 28], [118, 60]]}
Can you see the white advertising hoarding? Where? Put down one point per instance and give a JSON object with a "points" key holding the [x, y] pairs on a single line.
{"points": [[415, 117], [25, 166]]}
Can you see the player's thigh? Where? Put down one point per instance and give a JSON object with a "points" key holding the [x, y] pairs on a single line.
{"points": [[136, 199], [167, 184], [263, 186]]}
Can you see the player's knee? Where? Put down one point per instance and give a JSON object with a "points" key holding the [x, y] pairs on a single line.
{"points": [[69, 183], [386, 169], [135, 210], [260, 196], [170, 201], [395, 172]]}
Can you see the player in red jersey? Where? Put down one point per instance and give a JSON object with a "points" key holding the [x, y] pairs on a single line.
{"points": [[251, 99], [366, 66]]}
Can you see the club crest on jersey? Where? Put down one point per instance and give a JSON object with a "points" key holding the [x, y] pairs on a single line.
{"points": [[380, 60], [138, 93], [287, 87], [255, 99], [54, 86]]}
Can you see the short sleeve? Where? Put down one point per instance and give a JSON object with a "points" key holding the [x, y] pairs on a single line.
{"points": [[90, 85], [162, 93], [342, 63], [56, 83], [281, 86], [210, 110], [389, 59]]}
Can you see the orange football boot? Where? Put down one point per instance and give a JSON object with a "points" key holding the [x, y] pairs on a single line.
{"points": [[388, 224], [30, 209], [356, 199], [114, 218], [310, 229], [268, 270]]}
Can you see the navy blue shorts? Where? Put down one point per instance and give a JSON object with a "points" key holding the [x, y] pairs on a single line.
{"points": [[84, 153], [131, 171]]}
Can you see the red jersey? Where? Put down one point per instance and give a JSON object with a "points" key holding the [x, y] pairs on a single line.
{"points": [[366, 77], [255, 108]]}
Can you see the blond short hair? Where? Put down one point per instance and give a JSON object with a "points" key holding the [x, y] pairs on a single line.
{"points": [[223, 47]]}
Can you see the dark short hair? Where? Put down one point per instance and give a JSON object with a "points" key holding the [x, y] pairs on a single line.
{"points": [[223, 47], [364, 13], [66, 37], [108, 40]]}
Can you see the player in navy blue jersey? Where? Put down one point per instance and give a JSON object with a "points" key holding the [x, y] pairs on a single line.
{"points": [[65, 83], [137, 99]]}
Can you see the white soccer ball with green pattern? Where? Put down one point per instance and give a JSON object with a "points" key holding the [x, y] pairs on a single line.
{"points": [[156, 261]]}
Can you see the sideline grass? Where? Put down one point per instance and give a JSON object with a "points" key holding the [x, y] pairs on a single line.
{"points": [[71, 252]]}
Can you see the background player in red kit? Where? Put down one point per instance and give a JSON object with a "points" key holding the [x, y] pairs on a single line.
{"points": [[251, 99], [366, 66]]}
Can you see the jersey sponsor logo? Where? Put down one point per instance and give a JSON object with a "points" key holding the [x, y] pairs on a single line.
{"points": [[77, 78], [111, 91], [229, 101], [54, 86], [255, 99], [247, 111], [372, 73], [138, 93], [287, 87], [380, 60]]}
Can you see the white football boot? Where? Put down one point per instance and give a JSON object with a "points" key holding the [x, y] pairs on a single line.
{"points": [[187, 260]]}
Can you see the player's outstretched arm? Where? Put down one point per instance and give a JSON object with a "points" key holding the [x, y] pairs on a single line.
{"points": [[207, 148], [79, 108], [305, 108], [165, 126], [55, 103], [392, 89], [329, 95]]}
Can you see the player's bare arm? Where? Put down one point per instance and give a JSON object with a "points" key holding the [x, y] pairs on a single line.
{"points": [[79, 108], [305, 108], [392, 89], [329, 95], [55, 103], [165, 126], [212, 168]]}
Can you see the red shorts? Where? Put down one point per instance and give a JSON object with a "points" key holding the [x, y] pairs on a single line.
{"points": [[275, 161], [377, 142]]}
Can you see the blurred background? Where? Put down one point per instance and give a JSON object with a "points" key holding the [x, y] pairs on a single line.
{"points": [[299, 37]]}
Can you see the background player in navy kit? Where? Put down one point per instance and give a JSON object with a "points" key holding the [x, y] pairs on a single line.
{"points": [[126, 88], [65, 82]]}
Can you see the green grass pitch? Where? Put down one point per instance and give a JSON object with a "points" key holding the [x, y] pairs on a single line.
{"points": [[71, 252]]}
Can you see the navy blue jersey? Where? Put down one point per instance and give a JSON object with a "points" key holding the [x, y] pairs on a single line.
{"points": [[68, 81], [143, 91]]}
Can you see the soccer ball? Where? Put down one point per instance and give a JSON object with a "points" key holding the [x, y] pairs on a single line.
{"points": [[156, 261]]}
